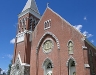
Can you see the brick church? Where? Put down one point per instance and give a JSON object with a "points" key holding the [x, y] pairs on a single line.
{"points": [[50, 45]]}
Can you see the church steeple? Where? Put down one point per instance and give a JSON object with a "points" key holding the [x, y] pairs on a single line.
{"points": [[27, 21], [31, 8], [31, 4]]}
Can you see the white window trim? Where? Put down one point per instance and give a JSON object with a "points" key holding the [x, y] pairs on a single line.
{"points": [[86, 65], [53, 36], [84, 47], [43, 64], [68, 47], [71, 58], [48, 21]]}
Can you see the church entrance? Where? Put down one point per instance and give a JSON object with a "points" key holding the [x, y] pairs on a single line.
{"points": [[47, 65], [71, 67]]}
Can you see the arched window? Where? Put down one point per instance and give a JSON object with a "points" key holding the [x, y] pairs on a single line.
{"points": [[30, 22], [33, 25], [71, 67], [47, 66], [91, 61], [19, 28], [70, 47], [20, 23], [47, 24], [23, 22], [26, 20]]}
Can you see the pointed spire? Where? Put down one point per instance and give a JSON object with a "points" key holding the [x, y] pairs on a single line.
{"points": [[32, 5]]}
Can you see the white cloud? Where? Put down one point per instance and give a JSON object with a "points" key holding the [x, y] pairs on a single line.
{"points": [[92, 41], [89, 35], [9, 56], [12, 41], [85, 33], [78, 27], [85, 18], [3, 57]]}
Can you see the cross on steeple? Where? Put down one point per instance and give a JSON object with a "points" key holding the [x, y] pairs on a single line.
{"points": [[47, 4]]}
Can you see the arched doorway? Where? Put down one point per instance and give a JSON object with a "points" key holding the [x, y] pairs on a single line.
{"points": [[47, 66], [71, 67]]}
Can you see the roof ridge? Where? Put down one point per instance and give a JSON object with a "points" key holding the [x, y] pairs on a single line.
{"points": [[65, 21]]}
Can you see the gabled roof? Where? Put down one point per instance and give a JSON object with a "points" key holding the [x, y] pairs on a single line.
{"points": [[66, 21], [90, 43], [61, 19], [32, 5], [68, 24]]}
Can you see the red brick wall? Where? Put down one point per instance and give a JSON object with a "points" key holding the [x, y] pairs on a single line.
{"points": [[89, 47], [23, 47], [64, 33]]}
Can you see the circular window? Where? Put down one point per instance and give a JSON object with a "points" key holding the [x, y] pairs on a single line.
{"points": [[47, 46]]}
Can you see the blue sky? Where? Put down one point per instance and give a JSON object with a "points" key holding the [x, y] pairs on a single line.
{"points": [[80, 13]]}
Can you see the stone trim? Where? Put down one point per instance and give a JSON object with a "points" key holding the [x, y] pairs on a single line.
{"points": [[85, 39], [20, 36], [69, 41], [49, 24], [45, 60], [86, 65], [69, 60], [25, 64], [84, 48], [68, 47], [29, 11], [24, 68], [49, 33]]}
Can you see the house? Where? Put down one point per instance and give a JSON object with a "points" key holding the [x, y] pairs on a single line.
{"points": [[1, 72]]}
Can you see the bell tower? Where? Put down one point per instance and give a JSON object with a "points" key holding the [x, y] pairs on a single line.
{"points": [[27, 21]]}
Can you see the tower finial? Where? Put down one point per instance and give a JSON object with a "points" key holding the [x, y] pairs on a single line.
{"points": [[31, 4], [47, 4]]}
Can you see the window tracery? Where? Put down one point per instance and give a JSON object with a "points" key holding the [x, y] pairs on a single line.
{"points": [[70, 47], [91, 61], [71, 67], [30, 25], [47, 67], [23, 22], [47, 24]]}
